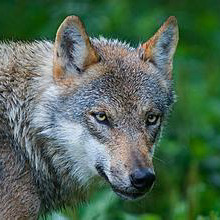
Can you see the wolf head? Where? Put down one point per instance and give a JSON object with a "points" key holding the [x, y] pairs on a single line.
{"points": [[106, 106]]}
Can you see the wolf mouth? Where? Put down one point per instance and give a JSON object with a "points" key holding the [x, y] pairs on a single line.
{"points": [[101, 172], [128, 195], [122, 194]]}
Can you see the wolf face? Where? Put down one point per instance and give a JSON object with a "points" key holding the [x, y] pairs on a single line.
{"points": [[105, 110]]}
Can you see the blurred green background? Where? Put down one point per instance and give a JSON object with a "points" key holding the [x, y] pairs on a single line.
{"points": [[187, 160]]}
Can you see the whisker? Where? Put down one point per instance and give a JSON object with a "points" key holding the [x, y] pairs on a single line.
{"points": [[160, 160]]}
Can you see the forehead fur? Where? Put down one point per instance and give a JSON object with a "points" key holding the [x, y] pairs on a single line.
{"points": [[117, 54], [126, 74]]}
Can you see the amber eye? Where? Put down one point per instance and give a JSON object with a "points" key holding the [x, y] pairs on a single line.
{"points": [[152, 119], [100, 117]]}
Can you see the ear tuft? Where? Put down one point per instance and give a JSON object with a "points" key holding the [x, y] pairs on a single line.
{"points": [[73, 51], [161, 47]]}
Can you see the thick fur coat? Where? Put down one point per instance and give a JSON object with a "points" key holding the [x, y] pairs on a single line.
{"points": [[80, 108]]}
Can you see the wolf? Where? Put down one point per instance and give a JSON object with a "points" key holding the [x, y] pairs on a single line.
{"points": [[80, 108]]}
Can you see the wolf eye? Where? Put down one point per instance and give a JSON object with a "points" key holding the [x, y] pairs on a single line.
{"points": [[101, 117], [152, 119]]}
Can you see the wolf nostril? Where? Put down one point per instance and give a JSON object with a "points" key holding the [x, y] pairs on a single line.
{"points": [[142, 179]]}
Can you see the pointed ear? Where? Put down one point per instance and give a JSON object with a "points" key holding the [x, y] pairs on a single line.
{"points": [[161, 47], [73, 51]]}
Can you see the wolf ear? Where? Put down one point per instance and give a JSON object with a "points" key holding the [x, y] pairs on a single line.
{"points": [[161, 47], [73, 51]]}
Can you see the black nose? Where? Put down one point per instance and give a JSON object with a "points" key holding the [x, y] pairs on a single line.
{"points": [[142, 178]]}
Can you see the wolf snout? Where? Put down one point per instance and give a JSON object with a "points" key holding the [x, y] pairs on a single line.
{"points": [[142, 179]]}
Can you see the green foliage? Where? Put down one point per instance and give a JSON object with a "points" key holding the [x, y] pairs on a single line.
{"points": [[188, 158]]}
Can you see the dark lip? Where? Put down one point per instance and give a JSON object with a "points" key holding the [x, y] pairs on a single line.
{"points": [[101, 172], [128, 195]]}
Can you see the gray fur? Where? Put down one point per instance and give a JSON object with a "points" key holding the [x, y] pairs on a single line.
{"points": [[48, 127]]}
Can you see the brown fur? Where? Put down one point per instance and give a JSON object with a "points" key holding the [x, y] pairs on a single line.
{"points": [[42, 166], [18, 195]]}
